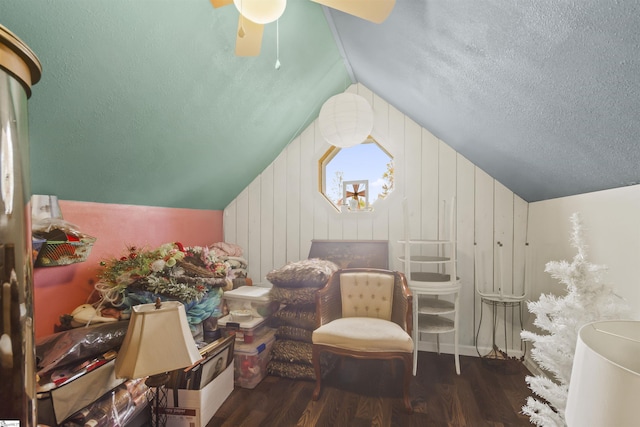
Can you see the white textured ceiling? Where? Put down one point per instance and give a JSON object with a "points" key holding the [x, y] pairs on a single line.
{"points": [[542, 95], [146, 102]]}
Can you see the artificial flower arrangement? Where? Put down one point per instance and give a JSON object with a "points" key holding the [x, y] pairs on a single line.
{"points": [[193, 275]]}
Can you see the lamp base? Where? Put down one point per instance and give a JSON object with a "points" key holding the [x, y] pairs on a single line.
{"points": [[158, 401], [157, 380]]}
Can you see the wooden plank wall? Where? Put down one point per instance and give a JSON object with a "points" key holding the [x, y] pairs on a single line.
{"points": [[275, 218]]}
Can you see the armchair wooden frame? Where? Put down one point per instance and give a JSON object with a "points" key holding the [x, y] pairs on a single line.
{"points": [[329, 308]]}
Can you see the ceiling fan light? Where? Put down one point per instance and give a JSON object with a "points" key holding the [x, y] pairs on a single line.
{"points": [[345, 120], [261, 11]]}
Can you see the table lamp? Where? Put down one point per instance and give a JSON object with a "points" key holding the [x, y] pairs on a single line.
{"points": [[605, 378], [158, 341]]}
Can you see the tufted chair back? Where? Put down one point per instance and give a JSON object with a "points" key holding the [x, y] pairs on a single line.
{"points": [[367, 294]]}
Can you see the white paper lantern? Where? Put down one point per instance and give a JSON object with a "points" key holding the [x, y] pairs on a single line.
{"points": [[346, 120], [261, 11]]}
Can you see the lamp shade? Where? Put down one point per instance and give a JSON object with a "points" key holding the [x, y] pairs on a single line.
{"points": [[345, 120], [605, 378], [158, 340], [261, 11]]}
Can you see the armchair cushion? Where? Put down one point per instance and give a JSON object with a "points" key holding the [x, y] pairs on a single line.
{"points": [[367, 294], [364, 334]]}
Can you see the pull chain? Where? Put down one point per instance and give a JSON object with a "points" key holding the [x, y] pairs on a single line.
{"points": [[277, 44], [241, 32]]}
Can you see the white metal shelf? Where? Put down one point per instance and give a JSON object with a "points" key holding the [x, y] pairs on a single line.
{"points": [[435, 306], [424, 279], [431, 314], [433, 324], [426, 259], [425, 241]]}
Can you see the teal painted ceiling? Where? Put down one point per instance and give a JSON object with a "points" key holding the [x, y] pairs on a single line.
{"points": [[144, 102]]}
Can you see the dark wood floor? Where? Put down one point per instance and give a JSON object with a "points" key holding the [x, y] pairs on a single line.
{"points": [[368, 394]]}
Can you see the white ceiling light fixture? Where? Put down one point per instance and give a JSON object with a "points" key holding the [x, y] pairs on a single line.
{"points": [[254, 14], [261, 11], [346, 120]]}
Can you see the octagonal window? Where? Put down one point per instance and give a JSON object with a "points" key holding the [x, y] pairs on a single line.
{"points": [[355, 178]]}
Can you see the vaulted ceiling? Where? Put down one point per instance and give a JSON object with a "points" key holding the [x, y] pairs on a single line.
{"points": [[144, 102]]}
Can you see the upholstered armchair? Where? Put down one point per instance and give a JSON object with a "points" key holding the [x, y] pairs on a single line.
{"points": [[366, 314]]}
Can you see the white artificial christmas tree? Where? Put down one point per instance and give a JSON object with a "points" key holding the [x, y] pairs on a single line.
{"points": [[587, 300]]}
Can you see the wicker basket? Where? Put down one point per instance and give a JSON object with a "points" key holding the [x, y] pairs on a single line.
{"points": [[55, 253]]}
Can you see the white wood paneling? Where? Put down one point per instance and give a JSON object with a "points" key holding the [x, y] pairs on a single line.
{"points": [[275, 218], [293, 200], [307, 189], [396, 141], [412, 180], [429, 196], [381, 122], [520, 261], [503, 237], [520, 244], [266, 221], [238, 224], [483, 256], [253, 210], [229, 223], [279, 244], [320, 210], [446, 174], [503, 256], [380, 107], [484, 201], [465, 201]]}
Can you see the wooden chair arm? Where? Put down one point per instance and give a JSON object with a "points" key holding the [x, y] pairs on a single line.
{"points": [[329, 301], [402, 311]]}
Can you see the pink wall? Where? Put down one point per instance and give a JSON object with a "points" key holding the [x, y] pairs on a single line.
{"points": [[58, 290]]}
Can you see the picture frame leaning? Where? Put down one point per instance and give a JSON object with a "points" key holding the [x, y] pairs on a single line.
{"points": [[217, 356]]}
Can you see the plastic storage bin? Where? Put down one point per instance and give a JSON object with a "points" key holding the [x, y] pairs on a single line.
{"points": [[254, 298], [250, 360], [246, 332]]}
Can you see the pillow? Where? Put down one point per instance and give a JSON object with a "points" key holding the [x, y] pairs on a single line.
{"points": [[294, 333], [294, 371], [306, 273], [292, 352], [301, 371], [302, 316], [293, 296]]}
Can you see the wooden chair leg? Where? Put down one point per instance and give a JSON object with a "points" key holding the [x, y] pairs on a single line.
{"points": [[318, 373], [408, 373]]}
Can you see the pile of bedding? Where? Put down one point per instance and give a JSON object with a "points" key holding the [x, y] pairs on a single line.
{"points": [[295, 286]]}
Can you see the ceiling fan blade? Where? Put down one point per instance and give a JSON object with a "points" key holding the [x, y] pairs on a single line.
{"points": [[220, 3], [375, 11], [249, 44]]}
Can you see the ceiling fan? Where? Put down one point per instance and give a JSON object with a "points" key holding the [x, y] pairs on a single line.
{"points": [[255, 13]]}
